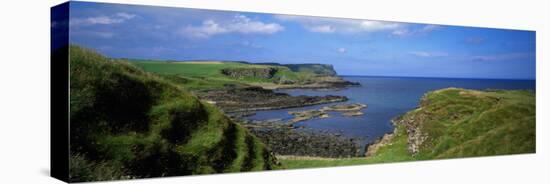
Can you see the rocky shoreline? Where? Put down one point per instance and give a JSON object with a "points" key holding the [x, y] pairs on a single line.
{"points": [[415, 137], [282, 137], [320, 85], [249, 99], [372, 148], [329, 82], [285, 140]]}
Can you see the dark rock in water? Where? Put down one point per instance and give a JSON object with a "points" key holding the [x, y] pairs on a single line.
{"points": [[306, 115], [342, 84], [353, 113], [346, 110], [257, 98], [345, 107]]}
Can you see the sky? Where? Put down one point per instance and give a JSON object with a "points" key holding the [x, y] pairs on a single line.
{"points": [[352, 46]]}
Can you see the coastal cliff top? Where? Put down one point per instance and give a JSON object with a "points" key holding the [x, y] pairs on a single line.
{"points": [[201, 75], [452, 123]]}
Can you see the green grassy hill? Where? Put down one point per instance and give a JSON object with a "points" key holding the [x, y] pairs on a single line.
{"points": [[452, 123], [196, 75], [128, 123]]}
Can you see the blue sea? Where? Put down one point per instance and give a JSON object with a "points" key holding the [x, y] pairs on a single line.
{"points": [[386, 97]]}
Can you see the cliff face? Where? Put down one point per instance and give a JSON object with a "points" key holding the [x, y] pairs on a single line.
{"points": [[127, 123], [265, 73], [319, 69]]}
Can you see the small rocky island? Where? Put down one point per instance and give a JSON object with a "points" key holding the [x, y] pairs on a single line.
{"points": [[353, 109]]}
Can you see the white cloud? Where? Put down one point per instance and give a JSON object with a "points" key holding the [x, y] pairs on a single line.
{"points": [[238, 24], [401, 32], [503, 57], [428, 54], [322, 29], [243, 24], [339, 25], [342, 50], [404, 32], [208, 28], [102, 19], [368, 25], [429, 28], [126, 16]]}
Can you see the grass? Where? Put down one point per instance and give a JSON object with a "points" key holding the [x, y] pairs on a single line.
{"points": [[208, 75], [195, 83], [458, 123], [191, 69], [129, 123], [482, 123]]}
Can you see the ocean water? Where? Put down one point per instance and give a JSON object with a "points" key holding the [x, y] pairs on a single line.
{"points": [[386, 97]]}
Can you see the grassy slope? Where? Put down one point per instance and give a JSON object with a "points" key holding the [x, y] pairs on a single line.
{"points": [[127, 123], [207, 75], [458, 123]]}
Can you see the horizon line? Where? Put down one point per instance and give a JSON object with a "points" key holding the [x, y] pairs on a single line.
{"points": [[344, 75], [435, 77]]}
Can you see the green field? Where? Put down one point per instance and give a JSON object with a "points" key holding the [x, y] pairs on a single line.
{"points": [[457, 123], [196, 75]]}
